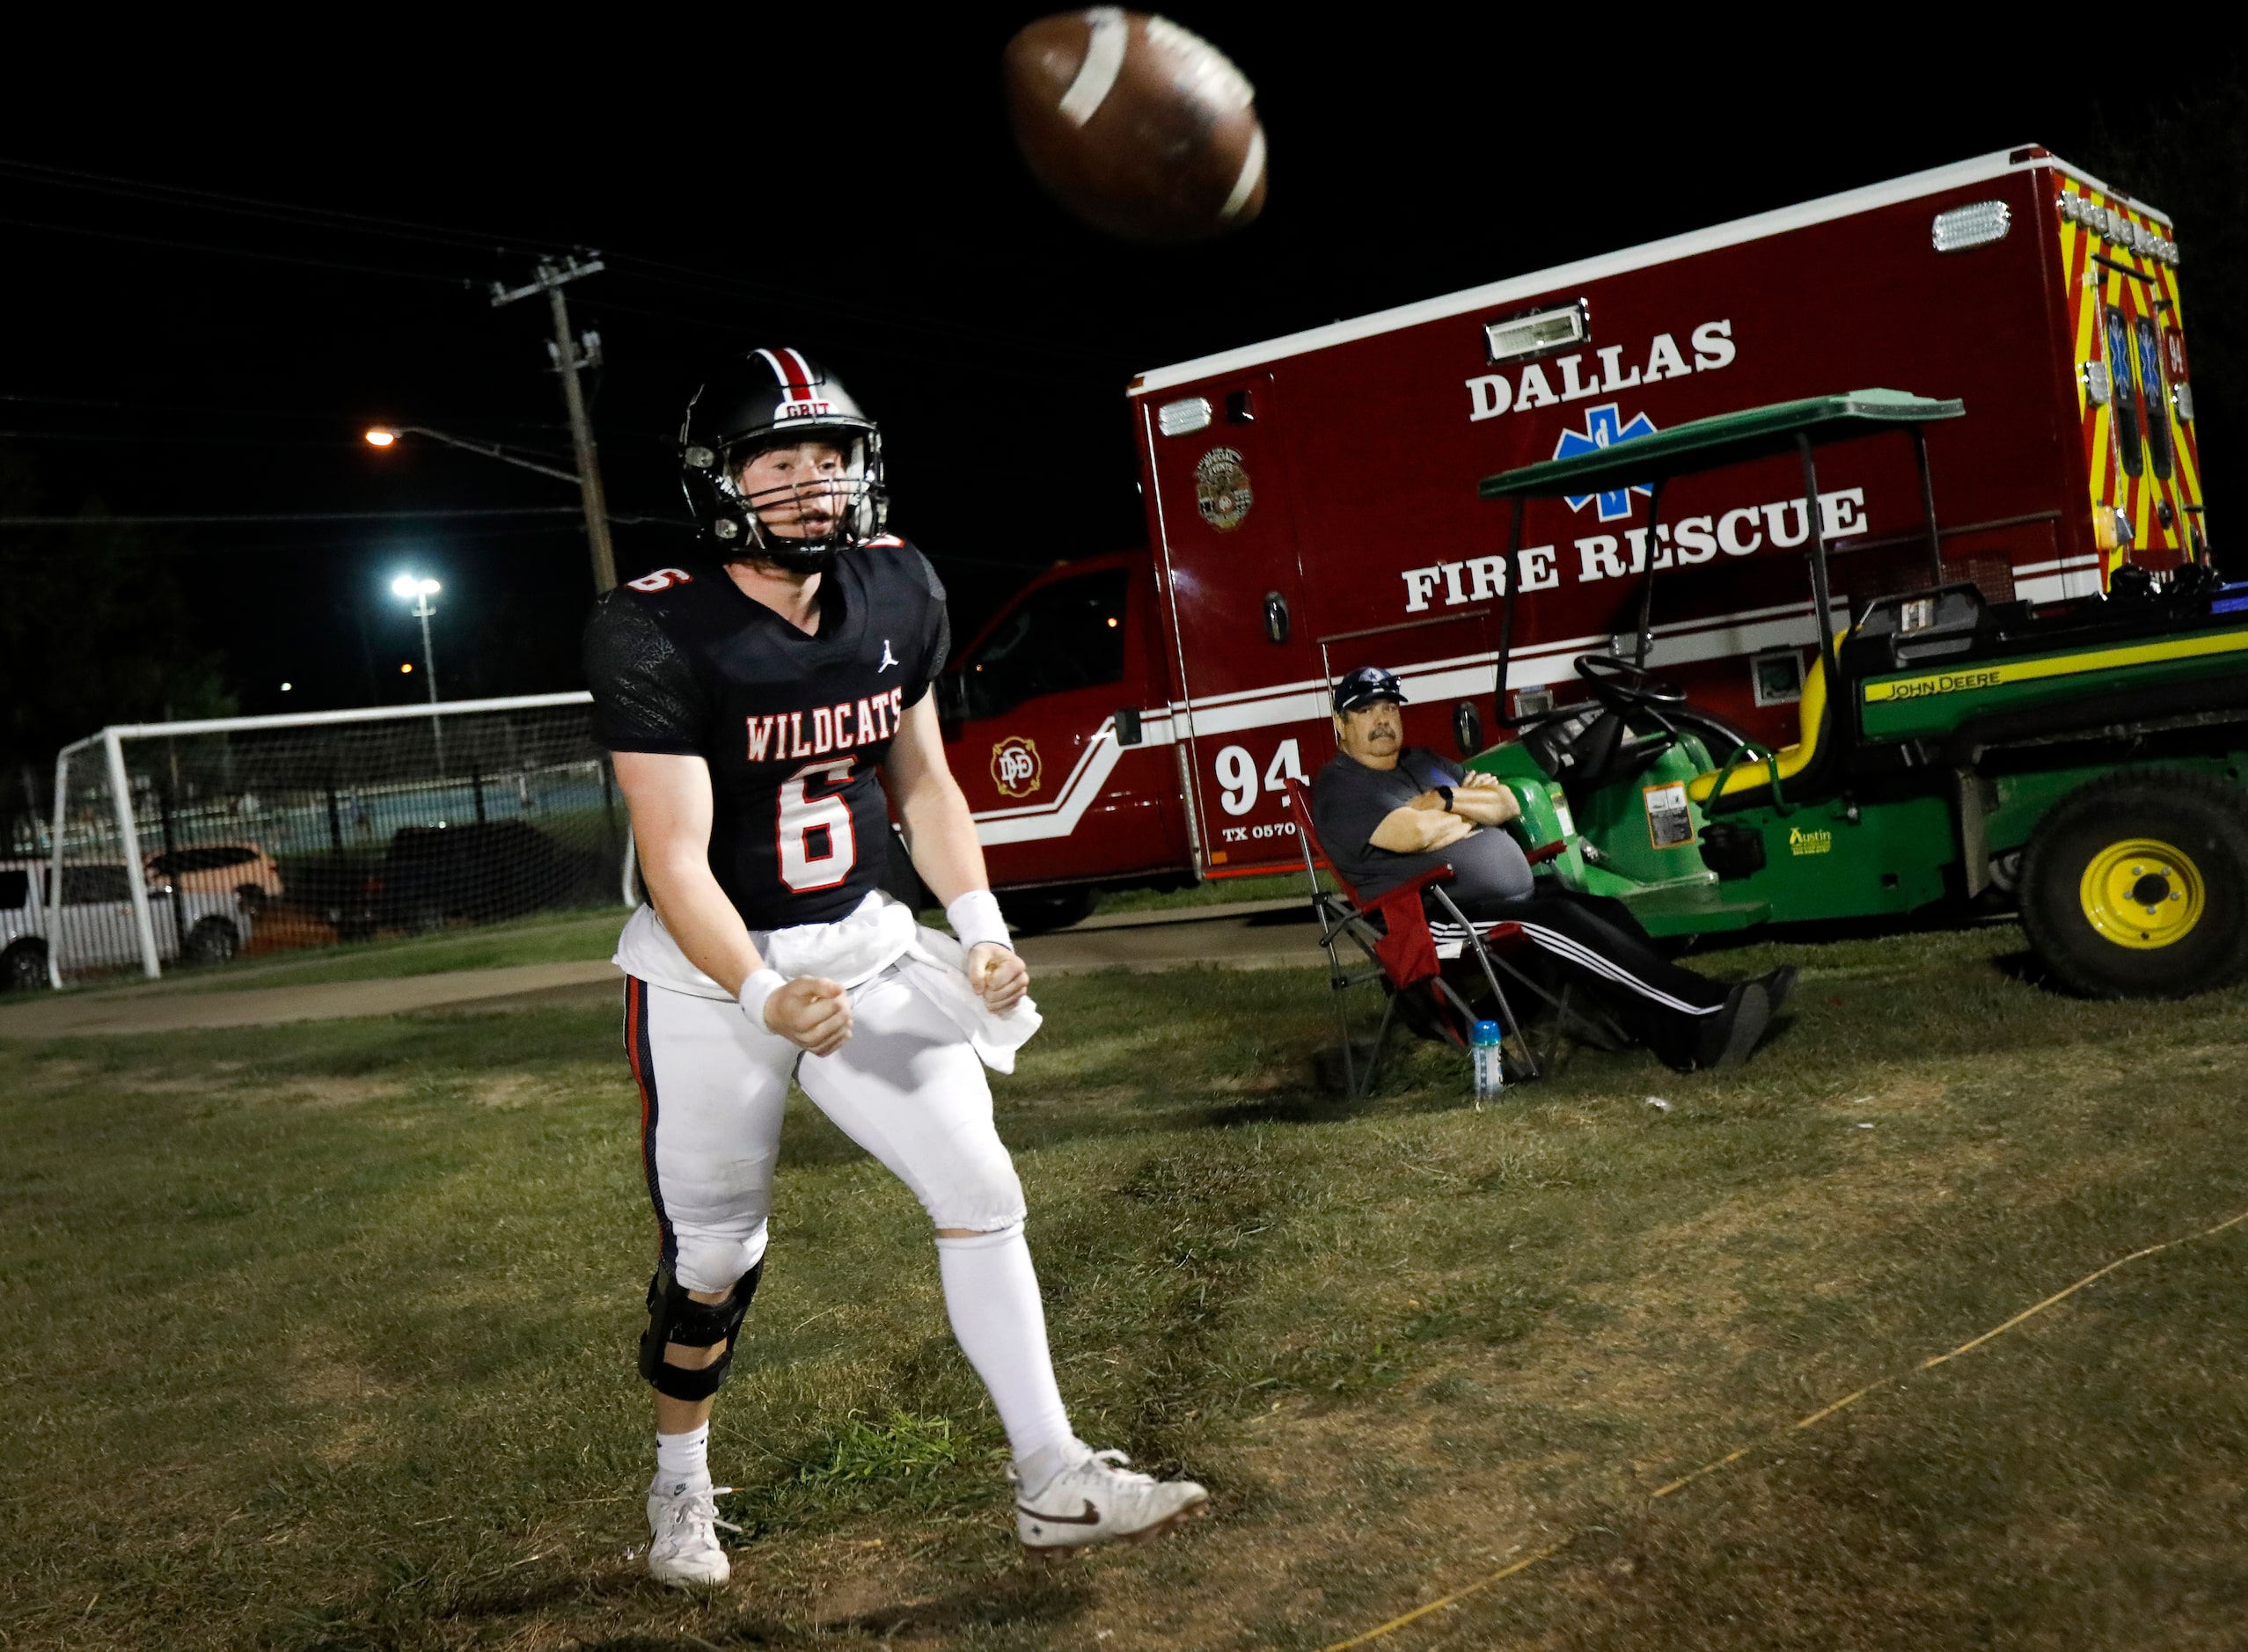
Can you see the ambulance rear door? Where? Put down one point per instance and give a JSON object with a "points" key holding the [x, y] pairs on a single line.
{"points": [[1253, 712]]}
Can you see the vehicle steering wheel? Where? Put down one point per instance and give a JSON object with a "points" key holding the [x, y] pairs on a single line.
{"points": [[1622, 686]]}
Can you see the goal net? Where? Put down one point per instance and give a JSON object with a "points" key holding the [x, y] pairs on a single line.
{"points": [[199, 842]]}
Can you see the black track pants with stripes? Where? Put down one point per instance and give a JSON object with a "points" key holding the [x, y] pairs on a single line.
{"points": [[1596, 943]]}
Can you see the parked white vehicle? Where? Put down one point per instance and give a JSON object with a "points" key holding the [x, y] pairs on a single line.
{"points": [[92, 927]]}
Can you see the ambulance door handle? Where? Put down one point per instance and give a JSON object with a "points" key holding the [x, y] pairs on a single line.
{"points": [[1276, 617], [1468, 727], [1128, 726]]}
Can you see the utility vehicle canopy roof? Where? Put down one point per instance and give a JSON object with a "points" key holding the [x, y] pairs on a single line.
{"points": [[1723, 439]]}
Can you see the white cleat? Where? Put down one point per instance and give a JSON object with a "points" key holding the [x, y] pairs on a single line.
{"points": [[683, 1536], [1097, 1500]]}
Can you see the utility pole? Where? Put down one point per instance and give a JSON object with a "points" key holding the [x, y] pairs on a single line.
{"points": [[570, 353]]}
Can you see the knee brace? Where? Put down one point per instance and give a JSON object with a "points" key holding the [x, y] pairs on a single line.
{"points": [[673, 1316]]}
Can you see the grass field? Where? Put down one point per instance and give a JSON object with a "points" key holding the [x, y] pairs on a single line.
{"points": [[319, 1337]]}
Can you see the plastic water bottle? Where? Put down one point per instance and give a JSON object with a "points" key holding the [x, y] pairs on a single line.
{"points": [[1490, 1073]]}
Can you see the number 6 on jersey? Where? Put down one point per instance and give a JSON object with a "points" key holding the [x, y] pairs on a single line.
{"points": [[802, 865]]}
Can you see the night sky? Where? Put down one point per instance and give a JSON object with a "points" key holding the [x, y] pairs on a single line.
{"points": [[266, 243]]}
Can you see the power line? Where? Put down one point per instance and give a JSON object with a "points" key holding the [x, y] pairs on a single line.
{"points": [[34, 399], [363, 549], [343, 549], [608, 432], [298, 259], [301, 516], [250, 206], [658, 271], [339, 443], [1028, 347]]}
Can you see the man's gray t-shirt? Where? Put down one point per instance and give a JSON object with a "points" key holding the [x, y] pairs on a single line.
{"points": [[1349, 801]]}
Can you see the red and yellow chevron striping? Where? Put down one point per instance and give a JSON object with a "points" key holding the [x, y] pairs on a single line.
{"points": [[2134, 396]]}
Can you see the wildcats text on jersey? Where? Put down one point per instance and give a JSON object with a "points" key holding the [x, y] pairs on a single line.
{"points": [[837, 728], [794, 724]]}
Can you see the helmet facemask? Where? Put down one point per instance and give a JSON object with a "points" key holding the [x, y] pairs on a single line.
{"points": [[802, 516]]}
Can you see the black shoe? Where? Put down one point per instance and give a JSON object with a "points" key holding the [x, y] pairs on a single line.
{"points": [[1777, 986], [1732, 1033]]}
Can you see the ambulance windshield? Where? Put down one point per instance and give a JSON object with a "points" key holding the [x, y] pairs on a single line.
{"points": [[1063, 636]]}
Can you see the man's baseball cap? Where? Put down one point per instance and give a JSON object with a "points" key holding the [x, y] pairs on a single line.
{"points": [[1365, 686]]}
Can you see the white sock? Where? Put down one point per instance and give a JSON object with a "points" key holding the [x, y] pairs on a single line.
{"points": [[683, 1460], [990, 1292]]}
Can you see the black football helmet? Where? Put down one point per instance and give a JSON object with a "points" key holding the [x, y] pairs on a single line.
{"points": [[772, 399]]}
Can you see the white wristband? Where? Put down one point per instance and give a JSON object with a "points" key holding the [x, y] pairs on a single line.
{"points": [[761, 985], [974, 917]]}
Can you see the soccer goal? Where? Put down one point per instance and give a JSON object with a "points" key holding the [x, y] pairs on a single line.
{"points": [[198, 841]]}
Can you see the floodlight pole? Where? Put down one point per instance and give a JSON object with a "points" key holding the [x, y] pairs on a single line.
{"points": [[422, 612], [569, 354]]}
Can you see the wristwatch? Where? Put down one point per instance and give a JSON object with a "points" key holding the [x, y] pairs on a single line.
{"points": [[1445, 791]]}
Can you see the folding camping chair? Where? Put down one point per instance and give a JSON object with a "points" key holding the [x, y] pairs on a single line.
{"points": [[1403, 951]]}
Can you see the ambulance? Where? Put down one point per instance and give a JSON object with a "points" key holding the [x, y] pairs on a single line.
{"points": [[1312, 507]]}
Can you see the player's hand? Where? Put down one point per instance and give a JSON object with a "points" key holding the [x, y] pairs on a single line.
{"points": [[998, 976], [1476, 780], [812, 1014], [1427, 799]]}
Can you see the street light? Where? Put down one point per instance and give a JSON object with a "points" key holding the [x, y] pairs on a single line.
{"points": [[421, 590], [587, 477], [387, 437]]}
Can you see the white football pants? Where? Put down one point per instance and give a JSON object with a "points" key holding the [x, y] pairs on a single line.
{"points": [[906, 1087]]}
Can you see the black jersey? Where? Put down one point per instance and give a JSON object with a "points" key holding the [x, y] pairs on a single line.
{"points": [[792, 725]]}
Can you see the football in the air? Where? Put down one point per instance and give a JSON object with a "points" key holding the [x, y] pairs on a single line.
{"points": [[1136, 126]]}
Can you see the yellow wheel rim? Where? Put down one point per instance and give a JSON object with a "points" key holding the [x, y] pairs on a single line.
{"points": [[2142, 894]]}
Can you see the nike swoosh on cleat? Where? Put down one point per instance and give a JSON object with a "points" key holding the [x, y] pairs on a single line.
{"points": [[1090, 1517]]}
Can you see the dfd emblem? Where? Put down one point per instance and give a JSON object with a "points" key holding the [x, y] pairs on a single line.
{"points": [[1222, 490], [1014, 766]]}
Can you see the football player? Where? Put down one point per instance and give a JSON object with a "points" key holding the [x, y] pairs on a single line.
{"points": [[760, 702]]}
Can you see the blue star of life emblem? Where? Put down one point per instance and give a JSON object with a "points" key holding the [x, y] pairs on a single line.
{"points": [[1604, 428]]}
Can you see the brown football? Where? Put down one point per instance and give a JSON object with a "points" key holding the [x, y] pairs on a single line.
{"points": [[1136, 126]]}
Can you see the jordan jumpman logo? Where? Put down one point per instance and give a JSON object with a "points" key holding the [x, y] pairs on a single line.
{"points": [[888, 658]]}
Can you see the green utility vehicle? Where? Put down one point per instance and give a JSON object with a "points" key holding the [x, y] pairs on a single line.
{"points": [[2083, 760]]}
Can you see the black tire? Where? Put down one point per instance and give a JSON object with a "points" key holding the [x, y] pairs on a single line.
{"points": [[213, 941], [2085, 890], [1035, 912], [23, 966]]}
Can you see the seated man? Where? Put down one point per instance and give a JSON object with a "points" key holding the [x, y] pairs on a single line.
{"points": [[1386, 813]]}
